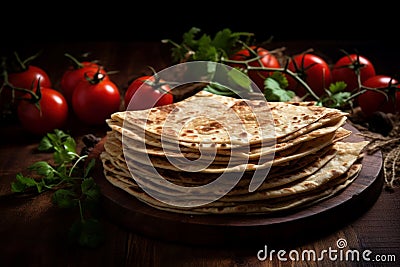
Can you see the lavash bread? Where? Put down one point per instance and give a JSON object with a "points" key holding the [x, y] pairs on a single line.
{"points": [[306, 152]]}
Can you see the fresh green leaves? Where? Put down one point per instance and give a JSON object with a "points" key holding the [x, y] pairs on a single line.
{"points": [[62, 144], [274, 92], [48, 174], [90, 190], [22, 183], [219, 89], [70, 179], [64, 198], [205, 47], [275, 88], [336, 96]]}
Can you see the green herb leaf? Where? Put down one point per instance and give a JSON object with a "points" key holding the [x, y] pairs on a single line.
{"points": [[69, 144], [206, 48], [64, 198], [274, 92], [45, 144], [41, 186], [219, 89], [63, 145], [337, 87], [62, 156], [22, 183], [90, 189], [280, 78], [89, 167], [205, 51], [189, 37], [226, 41], [56, 138], [337, 100], [240, 79], [43, 168]]}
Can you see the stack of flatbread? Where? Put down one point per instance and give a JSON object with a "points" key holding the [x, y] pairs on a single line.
{"points": [[211, 154]]}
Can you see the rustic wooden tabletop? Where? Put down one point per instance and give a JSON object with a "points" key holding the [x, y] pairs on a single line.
{"points": [[33, 232]]}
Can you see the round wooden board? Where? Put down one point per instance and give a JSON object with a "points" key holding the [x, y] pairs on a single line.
{"points": [[322, 217]]}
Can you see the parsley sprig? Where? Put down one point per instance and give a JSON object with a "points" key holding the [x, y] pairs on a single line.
{"points": [[195, 46], [69, 177], [218, 48]]}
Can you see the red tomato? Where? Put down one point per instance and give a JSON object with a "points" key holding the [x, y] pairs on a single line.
{"points": [[26, 79], [267, 60], [72, 76], [346, 68], [29, 77], [53, 113], [144, 92], [93, 101], [313, 70], [372, 101]]}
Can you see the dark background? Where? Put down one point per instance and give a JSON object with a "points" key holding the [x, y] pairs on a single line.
{"points": [[371, 29], [152, 21]]}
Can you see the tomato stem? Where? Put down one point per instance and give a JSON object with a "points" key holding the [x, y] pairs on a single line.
{"points": [[97, 77], [283, 70], [8, 85], [77, 63], [20, 62], [22, 65]]}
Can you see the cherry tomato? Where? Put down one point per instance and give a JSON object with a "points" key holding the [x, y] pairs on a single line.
{"points": [[347, 67], [29, 77], [372, 101], [73, 75], [146, 92], [313, 70], [53, 112], [267, 60], [94, 100]]}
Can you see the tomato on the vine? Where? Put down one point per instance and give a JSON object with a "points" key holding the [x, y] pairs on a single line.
{"points": [[387, 101], [19, 75], [28, 78], [313, 70], [256, 57], [147, 92], [49, 113], [348, 67], [95, 99], [76, 73]]}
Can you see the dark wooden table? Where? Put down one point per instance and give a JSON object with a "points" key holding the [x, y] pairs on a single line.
{"points": [[34, 233]]}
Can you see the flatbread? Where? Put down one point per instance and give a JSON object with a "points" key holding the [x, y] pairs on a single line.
{"points": [[236, 166], [157, 148], [222, 122], [258, 207], [313, 177], [329, 168], [299, 149]]}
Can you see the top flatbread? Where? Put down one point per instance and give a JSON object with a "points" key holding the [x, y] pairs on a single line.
{"points": [[210, 119], [155, 147]]}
